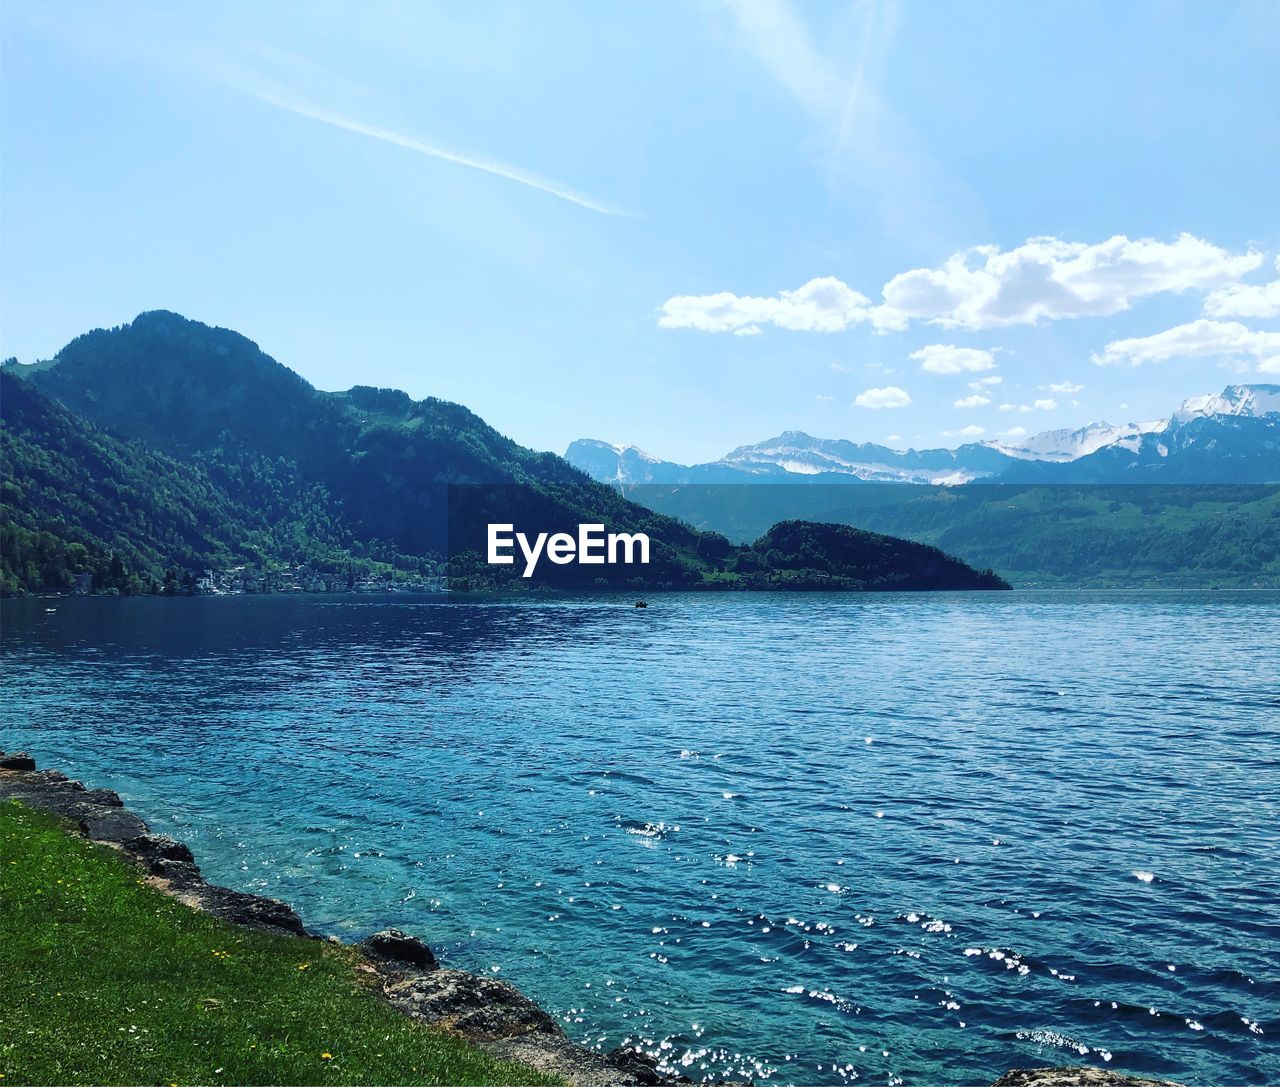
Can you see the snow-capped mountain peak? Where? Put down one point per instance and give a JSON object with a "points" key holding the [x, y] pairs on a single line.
{"points": [[1067, 444], [633, 451], [1225, 430], [1252, 401], [609, 462]]}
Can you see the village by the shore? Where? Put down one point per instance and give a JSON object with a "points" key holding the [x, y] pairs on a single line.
{"points": [[300, 578]]}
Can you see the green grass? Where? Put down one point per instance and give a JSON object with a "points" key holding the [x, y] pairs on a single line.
{"points": [[108, 981]]}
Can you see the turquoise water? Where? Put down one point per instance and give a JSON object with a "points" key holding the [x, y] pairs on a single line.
{"points": [[805, 838]]}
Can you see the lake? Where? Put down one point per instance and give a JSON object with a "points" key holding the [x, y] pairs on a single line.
{"points": [[804, 838]]}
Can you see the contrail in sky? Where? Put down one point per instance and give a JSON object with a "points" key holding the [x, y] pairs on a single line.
{"points": [[460, 158]]}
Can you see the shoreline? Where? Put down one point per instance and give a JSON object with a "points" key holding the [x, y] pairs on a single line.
{"points": [[492, 1016], [544, 592]]}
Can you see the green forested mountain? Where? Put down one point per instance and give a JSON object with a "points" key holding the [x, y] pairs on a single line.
{"points": [[810, 554], [1105, 535], [169, 446], [74, 495]]}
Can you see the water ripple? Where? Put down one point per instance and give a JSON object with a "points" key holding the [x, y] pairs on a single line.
{"points": [[802, 839]]}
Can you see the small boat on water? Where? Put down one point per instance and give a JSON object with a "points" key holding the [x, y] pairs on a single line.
{"points": [[641, 604]]}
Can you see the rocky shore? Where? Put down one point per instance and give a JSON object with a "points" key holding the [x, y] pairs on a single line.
{"points": [[492, 1015]]}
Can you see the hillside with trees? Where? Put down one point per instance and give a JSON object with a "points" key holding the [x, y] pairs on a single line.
{"points": [[146, 452]]}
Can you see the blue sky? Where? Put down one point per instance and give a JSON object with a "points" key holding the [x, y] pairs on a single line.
{"points": [[687, 226]]}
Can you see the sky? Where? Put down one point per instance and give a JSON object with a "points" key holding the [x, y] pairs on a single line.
{"points": [[686, 226]]}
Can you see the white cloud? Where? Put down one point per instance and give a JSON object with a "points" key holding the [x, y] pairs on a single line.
{"points": [[748, 330], [1196, 339], [977, 400], [888, 397], [894, 438], [941, 358], [1063, 387], [1044, 279], [1013, 432], [821, 305], [1045, 405], [965, 432], [978, 384], [1036, 405], [984, 287], [1049, 279], [1245, 299]]}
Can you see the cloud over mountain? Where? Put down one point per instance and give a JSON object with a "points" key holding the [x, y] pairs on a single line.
{"points": [[1047, 279], [1245, 299], [821, 305], [941, 358], [1196, 339], [888, 397]]}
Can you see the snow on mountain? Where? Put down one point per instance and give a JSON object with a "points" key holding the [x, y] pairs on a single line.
{"points": [[1248, 401], [610, 463], [630, 451], [1252, 401], [1067, 444], [797, 457], [797, 453]]}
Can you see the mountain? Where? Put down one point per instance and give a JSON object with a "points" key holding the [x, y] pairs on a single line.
{"points": [[791, 457], [1190, 499], [806, 554], [1229, 437], [1200, 449], [1068, 445], [74, 495], [1248, 401], [1109, 535], [822, 460], [141, 452], [622, 463]]}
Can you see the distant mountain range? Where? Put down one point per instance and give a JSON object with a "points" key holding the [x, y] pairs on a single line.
{"points": [[142, 453], [1231, 437], [1188, 500]]}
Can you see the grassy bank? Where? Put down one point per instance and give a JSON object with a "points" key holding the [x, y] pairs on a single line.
{"points": [[108, 981]]}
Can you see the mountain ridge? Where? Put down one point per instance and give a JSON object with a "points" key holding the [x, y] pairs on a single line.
{"points": [[1124, 453], [166, 441]]}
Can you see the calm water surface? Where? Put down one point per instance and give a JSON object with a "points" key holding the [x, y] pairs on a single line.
{"points": [[805, 838]]}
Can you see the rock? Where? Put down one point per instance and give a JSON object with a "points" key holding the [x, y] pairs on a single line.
{"points": [[639, 1067], [19, 760], [51, 791], [251, 911], [159, 847], [580, 1066], [112, 825], [1075, 1077], [475, 1008], [398, 949], [68, 802], [181, 875]]}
